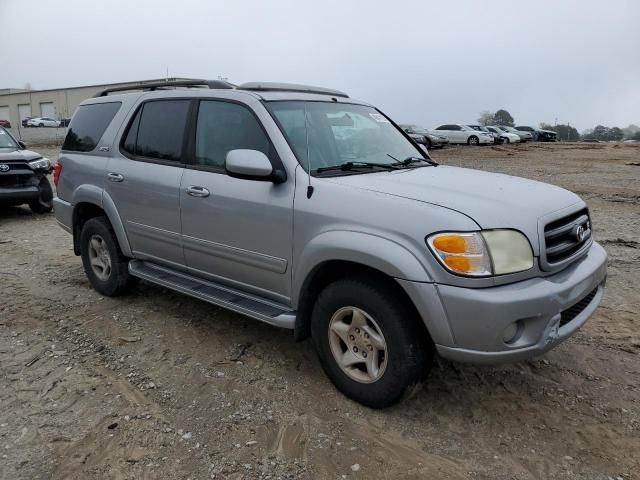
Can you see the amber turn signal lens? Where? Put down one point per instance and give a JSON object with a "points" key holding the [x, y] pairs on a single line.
{"points": [[450, 243], [459, 264]]}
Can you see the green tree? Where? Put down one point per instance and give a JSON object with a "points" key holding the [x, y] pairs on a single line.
{"points": [[486, 118], [616, 134], [636, 136], [600, 132], [630, 131], [502, 117]]}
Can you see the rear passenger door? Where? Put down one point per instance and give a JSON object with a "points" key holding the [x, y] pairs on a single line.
{"points": [[143, 179], [235, 231]]}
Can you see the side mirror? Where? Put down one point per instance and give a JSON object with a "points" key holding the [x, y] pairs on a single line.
{"points": [[250, 165], [22, 145]]}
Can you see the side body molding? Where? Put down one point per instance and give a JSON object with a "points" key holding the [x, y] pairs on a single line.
{"points": [[367, 249]]}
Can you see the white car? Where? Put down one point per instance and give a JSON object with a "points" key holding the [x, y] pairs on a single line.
{"points": [[505, 135], [457, 133], [42, 122]]}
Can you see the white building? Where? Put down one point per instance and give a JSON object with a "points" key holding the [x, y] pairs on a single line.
{"points": [[16, 104]]}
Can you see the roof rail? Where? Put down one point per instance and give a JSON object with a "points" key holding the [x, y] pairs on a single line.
{"points": [[149, 87], [289, 87]]}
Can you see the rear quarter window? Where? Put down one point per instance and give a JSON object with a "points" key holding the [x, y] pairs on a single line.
{"points": [[88, 125]]}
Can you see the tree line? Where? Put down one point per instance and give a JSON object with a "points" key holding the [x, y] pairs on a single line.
{"points": [[566, 132]]}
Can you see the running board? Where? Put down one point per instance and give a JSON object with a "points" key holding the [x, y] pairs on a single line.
{"points": [[223, 296]]}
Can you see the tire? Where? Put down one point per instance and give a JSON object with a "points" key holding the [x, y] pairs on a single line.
{"points": [[506, 140], [104, 264], [41, 124], [367, 314], [44, 203], [473, 140]]}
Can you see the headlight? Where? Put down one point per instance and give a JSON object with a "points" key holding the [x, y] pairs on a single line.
{"points": [[481, 254], [40, 164]]}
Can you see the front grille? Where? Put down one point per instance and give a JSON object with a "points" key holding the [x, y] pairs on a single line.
{"points": [[565, 237], [572, 312], [14, 180]]}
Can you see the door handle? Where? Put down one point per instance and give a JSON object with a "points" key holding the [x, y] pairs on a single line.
{"points": [[196, 191], [115, 177]]}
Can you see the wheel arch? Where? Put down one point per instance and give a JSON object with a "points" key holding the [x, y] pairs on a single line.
{"points": [[92, 202], [338, 254]]}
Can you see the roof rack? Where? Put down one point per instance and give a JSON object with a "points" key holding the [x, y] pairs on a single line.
{"points": [[289, 87], [150, 87]]}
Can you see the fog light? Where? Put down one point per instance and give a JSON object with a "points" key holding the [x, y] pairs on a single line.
{"points": [[511, 333]]}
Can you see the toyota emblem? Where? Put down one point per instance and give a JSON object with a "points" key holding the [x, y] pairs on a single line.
{"points": [[579, 233], [4, 167]]}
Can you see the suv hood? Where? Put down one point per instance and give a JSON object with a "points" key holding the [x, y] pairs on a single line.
{"points": [[9, 155], [492, 200]]}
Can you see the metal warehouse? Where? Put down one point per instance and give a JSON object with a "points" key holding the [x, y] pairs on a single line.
{"points": [[17, 104]]}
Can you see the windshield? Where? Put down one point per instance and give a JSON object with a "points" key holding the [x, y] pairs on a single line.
{"points": [[6, 141], [324, 134]]}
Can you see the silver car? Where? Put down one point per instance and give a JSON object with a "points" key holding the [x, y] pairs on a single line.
{"points": [[309, 210]]}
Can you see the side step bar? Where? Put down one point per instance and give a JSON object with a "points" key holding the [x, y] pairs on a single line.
{"points": [[223, 296]]}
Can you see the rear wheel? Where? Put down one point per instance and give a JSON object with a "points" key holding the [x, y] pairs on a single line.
{"points": [[507, 140], [103, 261], [369, 342], [41, 124], [473, 140], [44, 203]]}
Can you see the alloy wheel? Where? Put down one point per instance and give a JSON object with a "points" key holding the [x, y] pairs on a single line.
{"points": [[99, 257], [358, 345]]}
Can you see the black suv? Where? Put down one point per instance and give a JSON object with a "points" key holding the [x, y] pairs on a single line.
{"points": [[23, 176]]}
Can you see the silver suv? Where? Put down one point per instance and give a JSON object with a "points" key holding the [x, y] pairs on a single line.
{"points": [[309, 210]]}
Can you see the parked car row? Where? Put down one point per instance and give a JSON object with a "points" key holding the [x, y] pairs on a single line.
{"points": [[476, 134], [40, 122]]}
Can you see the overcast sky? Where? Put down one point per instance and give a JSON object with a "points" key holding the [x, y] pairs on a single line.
{"points": [[426, 62]]}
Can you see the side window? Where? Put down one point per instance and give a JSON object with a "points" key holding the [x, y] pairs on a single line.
{"points": [[442, 127], [157, 130], [225, 126], [455, 127], [88, 125]]}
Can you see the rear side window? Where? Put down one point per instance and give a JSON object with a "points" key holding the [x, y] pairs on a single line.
{"points": [[157, 130], [88, 126], [225, 126]]}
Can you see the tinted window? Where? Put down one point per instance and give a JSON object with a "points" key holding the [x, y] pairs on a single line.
{"points": [[161, 129], [88, 125], [224, 126], [129, 143]]}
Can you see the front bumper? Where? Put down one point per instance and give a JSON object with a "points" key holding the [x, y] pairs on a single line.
{"points": [[477, 318], [18, 194]]}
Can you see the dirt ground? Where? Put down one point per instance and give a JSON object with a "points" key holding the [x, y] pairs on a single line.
{"points": [[159, 385]]}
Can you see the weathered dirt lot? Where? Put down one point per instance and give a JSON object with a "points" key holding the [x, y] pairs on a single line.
{"points": [[159, 385]]}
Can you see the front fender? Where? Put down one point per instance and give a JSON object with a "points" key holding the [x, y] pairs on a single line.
{"points": [[367, 249]]}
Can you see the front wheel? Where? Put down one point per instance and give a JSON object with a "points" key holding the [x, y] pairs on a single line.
{"points": [[473, 140], [506, 140], [369, 342], [44, 203]]}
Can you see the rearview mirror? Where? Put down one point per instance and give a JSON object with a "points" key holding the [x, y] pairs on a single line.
{"points": [[248, 164]]}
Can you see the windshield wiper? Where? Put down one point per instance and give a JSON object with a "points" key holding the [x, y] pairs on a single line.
{"points": [[351, 165], [411, 159]]}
